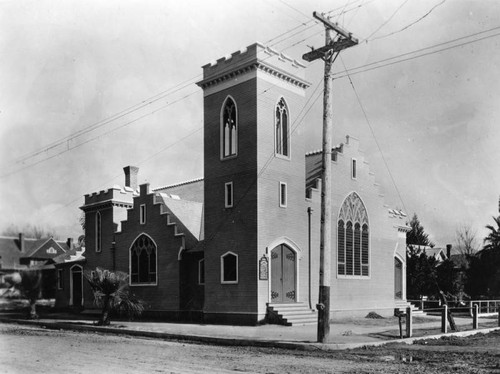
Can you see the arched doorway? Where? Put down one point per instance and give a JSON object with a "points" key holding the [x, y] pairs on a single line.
{"points": [[76, 280], [398, 279], [283, 275]]}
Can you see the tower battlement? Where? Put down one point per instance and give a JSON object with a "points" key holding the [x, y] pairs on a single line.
{"points": [[255, 57]]}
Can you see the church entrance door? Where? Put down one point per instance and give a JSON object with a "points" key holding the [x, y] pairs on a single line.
{"points": [[283, 276]]}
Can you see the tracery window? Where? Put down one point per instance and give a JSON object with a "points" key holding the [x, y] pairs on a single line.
{"points": [[353, 257], [229, 129], [282, 129], [143, 261]]}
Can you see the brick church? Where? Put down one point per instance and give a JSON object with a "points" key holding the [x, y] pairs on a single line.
{"points": [[241, 244]]}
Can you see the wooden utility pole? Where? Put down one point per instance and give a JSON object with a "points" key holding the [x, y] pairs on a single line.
{"points": [[328, 53]]}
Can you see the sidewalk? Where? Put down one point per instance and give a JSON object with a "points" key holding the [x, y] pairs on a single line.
{"points": [[342, 335]]}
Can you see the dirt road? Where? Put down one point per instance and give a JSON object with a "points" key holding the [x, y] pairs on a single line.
{"points": [[26, 349]]}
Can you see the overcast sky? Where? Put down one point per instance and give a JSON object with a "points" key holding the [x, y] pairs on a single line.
{"points": [[88, 87]]}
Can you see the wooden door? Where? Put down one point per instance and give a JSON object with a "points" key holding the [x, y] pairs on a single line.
{"points": [[398, 279], [283, 265]]}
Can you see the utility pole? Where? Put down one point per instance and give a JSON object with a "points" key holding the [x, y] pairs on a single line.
{"points": [[328, 54]]}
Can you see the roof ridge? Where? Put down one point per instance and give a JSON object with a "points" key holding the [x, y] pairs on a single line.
{"points": [[178, 184]]}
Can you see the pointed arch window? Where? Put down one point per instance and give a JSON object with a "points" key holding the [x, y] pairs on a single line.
{"points": [[143, 261], [353, 241], [282, 129], [229, 129]]}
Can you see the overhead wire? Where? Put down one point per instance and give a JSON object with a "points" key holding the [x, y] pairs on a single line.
{"points": [[374, 136]]}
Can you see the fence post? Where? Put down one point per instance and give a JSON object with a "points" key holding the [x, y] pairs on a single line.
{"points": [[409, 323], [475, 317], [499, 318], [444, 321]]}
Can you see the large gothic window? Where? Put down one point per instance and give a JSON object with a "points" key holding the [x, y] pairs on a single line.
{"points": [[143, 261], [282, 129], [229, 129], [353, 238]]}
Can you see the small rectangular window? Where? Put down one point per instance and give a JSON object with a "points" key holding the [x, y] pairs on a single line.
{"points": [[228, 195], [353, 169], [283, 197], [143, 214], [59, 279]]}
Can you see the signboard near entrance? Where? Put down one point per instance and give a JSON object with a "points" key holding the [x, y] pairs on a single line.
{"points": [[263, 268]]}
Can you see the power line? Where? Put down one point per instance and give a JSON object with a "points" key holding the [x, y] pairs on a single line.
{"points": [[366, 67], [99, 136], [374, 136], [411, 24], [387, 21]]}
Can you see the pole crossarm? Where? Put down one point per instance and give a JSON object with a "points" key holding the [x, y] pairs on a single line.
{"points": [[346, 40], [335, 27], [323, 51]]}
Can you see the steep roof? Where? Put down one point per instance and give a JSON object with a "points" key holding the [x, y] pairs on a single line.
{"points": [[10, 253], [188, 213]]}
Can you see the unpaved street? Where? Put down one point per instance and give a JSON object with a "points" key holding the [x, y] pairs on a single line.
{"points": [[35, 350]]}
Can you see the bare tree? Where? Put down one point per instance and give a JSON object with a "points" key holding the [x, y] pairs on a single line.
{"points": [[30, 231], [466, 241]]}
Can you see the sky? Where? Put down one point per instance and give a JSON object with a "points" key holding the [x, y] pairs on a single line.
{"points": [[89, 87]]}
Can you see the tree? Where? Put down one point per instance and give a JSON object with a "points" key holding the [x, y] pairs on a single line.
{"points": [[417, 234], [111, 293], [466, 242], [29, 283], [493, 239], [30, 231]]}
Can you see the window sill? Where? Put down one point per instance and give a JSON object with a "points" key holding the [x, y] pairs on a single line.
{"points": [[229, 282], [354, 277], [282, 157], [225, 158], [143, 284]]}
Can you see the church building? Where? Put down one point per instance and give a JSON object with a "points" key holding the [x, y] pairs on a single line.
{"points": [[241, 244]]}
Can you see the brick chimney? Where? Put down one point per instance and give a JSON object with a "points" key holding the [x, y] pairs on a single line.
{"points": [[22, 247], [69, 243], [131, 176], [448, 251]]}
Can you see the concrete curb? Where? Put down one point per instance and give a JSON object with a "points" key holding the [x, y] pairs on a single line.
{"points": [[304, 346]]}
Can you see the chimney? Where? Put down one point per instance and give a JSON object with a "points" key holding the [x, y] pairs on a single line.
{"points": [[21, 242], [69, 243], [131, 176], [448, 251]]}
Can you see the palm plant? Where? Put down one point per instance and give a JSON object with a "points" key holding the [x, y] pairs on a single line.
{"points": [[493, 239], [111, 293], [30, 286]]}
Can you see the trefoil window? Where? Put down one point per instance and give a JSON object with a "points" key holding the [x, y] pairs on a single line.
{"points": [[282, 129], [229, 129]]}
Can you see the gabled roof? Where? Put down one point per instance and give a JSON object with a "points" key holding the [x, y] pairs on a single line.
{"points": [[44, 249], [73, 255]]}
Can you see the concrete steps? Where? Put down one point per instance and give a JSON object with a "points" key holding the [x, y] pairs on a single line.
{"points": [[292, 314], [402, 305]]}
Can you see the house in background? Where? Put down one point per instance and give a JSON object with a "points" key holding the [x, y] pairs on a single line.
{"points": [[20, 253], [241, 244]]}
